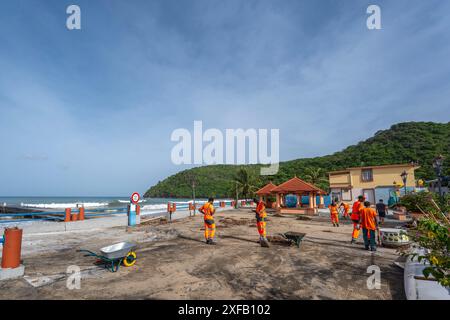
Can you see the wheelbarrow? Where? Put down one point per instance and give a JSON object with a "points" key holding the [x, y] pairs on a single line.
{"points": [[294, 237], [114, 255]]}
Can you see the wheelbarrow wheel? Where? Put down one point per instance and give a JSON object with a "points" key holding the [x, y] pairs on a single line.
{"points": [[130, 259]]}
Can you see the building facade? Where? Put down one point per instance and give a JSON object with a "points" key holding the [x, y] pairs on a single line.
{"points": [[374, 182]]}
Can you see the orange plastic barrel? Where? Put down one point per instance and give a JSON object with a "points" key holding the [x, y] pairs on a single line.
{"points": [[74, 217], [67, 216], [169, 207], [174, 207], [81, 214], [12, 248], [138, 209]]}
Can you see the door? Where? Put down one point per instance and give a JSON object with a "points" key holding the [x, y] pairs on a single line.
{"points": [[369, 194]]}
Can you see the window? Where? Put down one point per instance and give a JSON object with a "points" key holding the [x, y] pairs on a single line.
{"points": [[346, 195], [366, 175]]}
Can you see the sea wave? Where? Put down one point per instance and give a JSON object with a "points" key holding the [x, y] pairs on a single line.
{"points": [[64, 205], [154, 206]]}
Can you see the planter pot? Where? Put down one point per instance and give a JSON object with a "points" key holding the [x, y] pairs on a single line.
{"points": [[391, 237]]}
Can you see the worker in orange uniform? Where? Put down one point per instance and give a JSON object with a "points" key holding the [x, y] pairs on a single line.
{"points": [[358, 206], [261, 216], [369, 223], [346, 208], [334, 214], [208, 211]]}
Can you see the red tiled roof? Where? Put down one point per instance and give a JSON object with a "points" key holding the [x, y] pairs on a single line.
{"points": [[297, 185], [266, 189]]}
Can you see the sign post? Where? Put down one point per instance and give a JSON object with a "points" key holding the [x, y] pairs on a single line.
{"points": [[132, 216]]}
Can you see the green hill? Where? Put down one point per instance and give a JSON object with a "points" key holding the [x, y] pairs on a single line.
{"points": [[402, 143]]}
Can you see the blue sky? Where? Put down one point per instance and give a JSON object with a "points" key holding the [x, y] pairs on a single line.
{"points": [[90, 112]]}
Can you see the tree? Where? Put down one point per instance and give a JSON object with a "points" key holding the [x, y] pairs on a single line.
{"points": [[315, 176], [244, 182]]}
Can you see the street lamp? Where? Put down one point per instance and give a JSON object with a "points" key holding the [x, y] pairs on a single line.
{"points": [[437, 165], [404, 176]]}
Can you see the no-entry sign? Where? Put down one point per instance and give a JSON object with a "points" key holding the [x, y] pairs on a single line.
{"points": [[135, 197]]}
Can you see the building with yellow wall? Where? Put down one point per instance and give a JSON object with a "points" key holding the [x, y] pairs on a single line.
{"points": [[374, 182]]}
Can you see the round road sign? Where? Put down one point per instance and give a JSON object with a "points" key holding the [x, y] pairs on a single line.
{"points": [[135, 197]]}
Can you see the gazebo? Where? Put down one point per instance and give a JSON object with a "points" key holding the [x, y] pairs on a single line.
{"points": [[265, 192], [298, 187]]}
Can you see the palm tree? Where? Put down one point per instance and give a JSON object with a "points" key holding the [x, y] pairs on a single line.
{"points": [[244, 183], [315, 176]]}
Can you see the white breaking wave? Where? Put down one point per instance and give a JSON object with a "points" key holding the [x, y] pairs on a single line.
{"points": [[128, 201], [64, 205], [154, 206]]}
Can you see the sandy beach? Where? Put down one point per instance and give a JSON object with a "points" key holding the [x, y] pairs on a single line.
{"points": [[174, 263]]}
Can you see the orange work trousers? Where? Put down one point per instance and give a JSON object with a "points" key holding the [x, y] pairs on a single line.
{"points": [[210, 230], [335, 218], [261, 225], [355, 233]]}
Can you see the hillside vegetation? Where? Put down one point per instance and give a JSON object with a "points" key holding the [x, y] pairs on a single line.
{"points": [[402, 143]]}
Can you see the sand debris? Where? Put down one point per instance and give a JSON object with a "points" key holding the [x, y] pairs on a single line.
{"points": [[234, 222]]}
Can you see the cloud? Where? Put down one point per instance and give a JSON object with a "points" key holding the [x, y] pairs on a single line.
{"points": [[104, 100]]}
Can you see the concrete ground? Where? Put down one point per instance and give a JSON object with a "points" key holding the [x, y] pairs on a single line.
{"points": [[175, 263]]}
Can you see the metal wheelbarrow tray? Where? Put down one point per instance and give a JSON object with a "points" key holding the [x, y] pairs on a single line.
{"points": [[114, 255], [295, 237]]}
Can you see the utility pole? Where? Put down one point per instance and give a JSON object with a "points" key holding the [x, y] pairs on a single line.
{"points": [[193, 195], [237, 196]]}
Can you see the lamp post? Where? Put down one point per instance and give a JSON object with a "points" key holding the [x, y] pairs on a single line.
{"points": [[404, 176], [437, 165]]}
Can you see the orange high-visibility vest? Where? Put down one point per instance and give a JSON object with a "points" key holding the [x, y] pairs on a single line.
{"points": [[208, 210], [346, 207], [356, 210], [261, 211], [333, 209], [368, 218]]}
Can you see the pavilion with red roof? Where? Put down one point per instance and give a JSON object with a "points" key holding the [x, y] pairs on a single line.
{"points": [[298, 187], [265, 192]]}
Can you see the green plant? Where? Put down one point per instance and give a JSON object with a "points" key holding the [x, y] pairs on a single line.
{"points": [[431, 234], [425, 201]]}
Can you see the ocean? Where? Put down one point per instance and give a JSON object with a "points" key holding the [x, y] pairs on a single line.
{"points": [[148, 205]]}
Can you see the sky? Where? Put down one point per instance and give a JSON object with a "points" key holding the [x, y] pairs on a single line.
{"points": [[90, 112]]}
